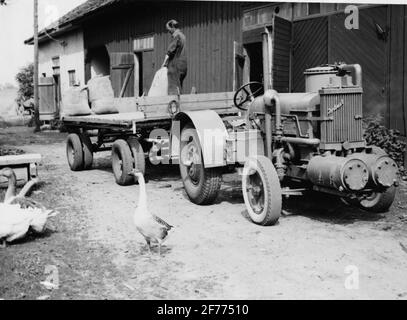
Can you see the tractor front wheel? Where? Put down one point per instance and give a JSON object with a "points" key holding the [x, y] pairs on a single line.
{"points": [[262, 191], [379, 202]]}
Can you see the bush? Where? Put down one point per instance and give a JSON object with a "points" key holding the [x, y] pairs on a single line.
{"points": [[25, 79], [387, 139]]}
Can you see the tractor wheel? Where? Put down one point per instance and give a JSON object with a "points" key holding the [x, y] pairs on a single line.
{"points": [[201, 184], [379, 202], [122, 163], [262, 191], [87, 151], [74, 152], [138, 154]]}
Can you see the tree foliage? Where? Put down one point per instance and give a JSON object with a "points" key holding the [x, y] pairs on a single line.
{"points": [[25, 79]]}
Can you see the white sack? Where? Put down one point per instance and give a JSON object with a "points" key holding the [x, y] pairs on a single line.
{"points": [[159, 87]]}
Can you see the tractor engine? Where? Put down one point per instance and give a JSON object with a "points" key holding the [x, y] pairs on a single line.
{"points": [[317, 136]]}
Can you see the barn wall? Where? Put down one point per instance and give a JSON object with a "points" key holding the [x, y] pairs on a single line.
{"points": [[326, 40], [397, 116], [281, 55], [365, 47], [310, 48], [210, 28]]}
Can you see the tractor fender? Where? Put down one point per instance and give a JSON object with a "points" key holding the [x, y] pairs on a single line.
{"points": [[212, 135]]}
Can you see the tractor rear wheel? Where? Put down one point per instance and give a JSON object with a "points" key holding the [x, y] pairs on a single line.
{"points": [[262, 191], [122, 163], [201, 184]]}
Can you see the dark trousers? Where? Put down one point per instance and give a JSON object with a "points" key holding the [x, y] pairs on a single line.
{"points": [[177, 71]]}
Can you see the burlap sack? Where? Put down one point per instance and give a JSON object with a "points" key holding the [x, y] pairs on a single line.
{"points": [[104, 106], [100, 88], [75, 102]]}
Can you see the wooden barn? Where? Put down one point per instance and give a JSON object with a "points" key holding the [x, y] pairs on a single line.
{"points": [[127, 40]]}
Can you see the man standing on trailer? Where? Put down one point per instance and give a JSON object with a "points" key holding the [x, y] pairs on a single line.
{"points": [[175, 59]]}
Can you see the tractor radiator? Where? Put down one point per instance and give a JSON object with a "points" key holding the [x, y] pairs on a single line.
{"points": [[341, 115]]}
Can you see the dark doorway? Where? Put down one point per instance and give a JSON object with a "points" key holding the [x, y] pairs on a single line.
{"points": [[255, 53], [97, 62], [58, 98]]}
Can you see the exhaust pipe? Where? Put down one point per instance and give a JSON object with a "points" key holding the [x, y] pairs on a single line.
{"points": [[356, 68], [271, 98]]}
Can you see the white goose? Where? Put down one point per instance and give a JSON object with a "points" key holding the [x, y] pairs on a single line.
{"points": [[151, 227], [16, 221], [12, 197], [18, 214]]}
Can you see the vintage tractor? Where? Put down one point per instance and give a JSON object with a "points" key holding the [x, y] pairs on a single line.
{"points": [[287, 143]]}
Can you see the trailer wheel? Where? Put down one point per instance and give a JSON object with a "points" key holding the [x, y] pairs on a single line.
{"points": [[138, 154], [122, 163], [201, 184], [262, 191], [74, 152], [87, 151], [379, 202]]}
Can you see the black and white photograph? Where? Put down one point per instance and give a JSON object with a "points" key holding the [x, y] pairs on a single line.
{"points": [[203, 151]]}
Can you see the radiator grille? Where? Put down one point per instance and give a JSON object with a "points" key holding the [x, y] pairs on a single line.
{"points": [[341, 112]]}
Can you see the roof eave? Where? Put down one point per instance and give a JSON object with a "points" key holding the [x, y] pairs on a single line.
{"points": [[43, 37]]}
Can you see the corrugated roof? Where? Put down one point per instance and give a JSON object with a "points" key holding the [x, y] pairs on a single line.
{"points": [[80, 11]]}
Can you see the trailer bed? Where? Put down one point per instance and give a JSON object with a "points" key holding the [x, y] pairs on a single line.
{"points": [[121, 120], [152, 111]]}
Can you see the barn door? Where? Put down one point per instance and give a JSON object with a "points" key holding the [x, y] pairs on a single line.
{"points": [[48, 105], [122, 73]]}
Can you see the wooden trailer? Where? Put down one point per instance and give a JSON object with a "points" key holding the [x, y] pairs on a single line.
{"points": [[145, 127]]}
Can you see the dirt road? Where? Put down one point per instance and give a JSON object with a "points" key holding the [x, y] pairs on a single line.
{"points": [[214, 251]]}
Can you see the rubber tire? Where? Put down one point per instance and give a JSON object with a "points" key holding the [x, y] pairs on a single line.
{"points": [[273, 194], [210, 179], [139, 160], [121, 150], [381, 203], [74, 144], [87, 151]]}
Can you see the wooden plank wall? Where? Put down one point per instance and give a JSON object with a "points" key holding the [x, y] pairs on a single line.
{"points": [[397, 115], [210, 28], [310, 48]]}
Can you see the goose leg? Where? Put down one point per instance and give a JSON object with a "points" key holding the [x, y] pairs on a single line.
{"points": [[159, 249], [149, 246]]}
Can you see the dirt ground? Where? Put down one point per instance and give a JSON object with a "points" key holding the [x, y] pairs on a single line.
{"points": [[214, 252]]}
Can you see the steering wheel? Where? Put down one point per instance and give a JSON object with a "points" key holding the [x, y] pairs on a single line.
{"points": [[245, 94]]}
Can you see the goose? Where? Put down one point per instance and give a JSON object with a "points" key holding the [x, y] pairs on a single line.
{"points": [[16, 221], [12, 197], [151, 227]]}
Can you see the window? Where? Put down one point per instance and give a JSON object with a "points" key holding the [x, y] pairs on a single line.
{"points": [[314, 8], [72, 78], [144, 44], [257, 18], [55, 62]]}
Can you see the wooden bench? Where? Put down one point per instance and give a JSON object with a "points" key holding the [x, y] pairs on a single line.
{"points": [[24, 161]]}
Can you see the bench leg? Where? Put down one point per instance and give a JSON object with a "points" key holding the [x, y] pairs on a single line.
{"points": [[28, 173]]}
